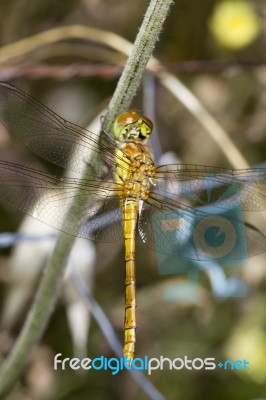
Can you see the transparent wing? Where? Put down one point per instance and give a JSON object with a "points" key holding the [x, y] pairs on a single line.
{"points": [[201, 185], [50, 199], [50, 136], [169, 227]]}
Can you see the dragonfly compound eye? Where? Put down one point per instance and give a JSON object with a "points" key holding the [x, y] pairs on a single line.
{"points": [[145, 129], [123, 122], [132, 121]]}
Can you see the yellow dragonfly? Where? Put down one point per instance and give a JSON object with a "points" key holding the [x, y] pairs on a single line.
{"points": [[124, 193]]}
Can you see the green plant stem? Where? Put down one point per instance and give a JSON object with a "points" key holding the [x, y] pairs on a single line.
{"points": [[143, 47], [39, 314], [53, 276]]}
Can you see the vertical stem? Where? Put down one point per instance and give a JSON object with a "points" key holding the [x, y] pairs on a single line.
{"points": [[142, 50], [52, 279], [39, 314]]}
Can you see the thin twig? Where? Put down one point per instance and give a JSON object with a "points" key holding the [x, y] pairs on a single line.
{"points": [[60, 72]]}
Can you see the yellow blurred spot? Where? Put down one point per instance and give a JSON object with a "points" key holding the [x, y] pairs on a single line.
{"points": [[249, 343], [234, 23]]}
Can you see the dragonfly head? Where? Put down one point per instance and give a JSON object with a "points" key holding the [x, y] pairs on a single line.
{"points": [[132, 125]]}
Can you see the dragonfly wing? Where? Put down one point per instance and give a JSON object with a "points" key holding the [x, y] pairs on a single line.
{"points": [[219, 187], [169, 227], [78, 207], [50, 136]]}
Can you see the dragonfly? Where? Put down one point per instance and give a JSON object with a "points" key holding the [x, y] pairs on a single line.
{"points": [[123, 193]]}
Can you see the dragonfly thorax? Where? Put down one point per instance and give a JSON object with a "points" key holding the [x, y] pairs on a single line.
{"points": [[138, 183], [134, 171]]}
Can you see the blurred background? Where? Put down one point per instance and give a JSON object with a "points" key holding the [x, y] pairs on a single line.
{"points": [[216, 48]]}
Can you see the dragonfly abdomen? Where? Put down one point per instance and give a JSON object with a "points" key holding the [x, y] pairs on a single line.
{"points": [[130, 218]]}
